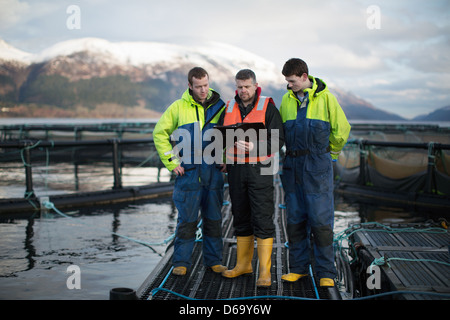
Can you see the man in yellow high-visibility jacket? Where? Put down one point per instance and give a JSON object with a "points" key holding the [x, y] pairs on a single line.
{"points": [[316, 129], [199, 184]]}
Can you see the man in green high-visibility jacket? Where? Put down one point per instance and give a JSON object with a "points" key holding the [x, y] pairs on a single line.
{"points": [[199, 184]]}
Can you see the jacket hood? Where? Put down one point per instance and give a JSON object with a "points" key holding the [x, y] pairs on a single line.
{"points": [[213, 97], [320, 86]]}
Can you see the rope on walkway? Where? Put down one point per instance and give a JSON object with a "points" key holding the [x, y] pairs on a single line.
{"points": [[375, 227], [375, 296], [383, 261]]}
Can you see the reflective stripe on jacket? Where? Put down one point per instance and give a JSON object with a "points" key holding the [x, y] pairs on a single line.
{"points": [[233, 116]]}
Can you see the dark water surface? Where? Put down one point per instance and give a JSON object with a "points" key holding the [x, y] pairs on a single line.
{"points": [[35, 253]]}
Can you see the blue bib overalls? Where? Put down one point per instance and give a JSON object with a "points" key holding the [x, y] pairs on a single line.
{"points": [[307, 179]]}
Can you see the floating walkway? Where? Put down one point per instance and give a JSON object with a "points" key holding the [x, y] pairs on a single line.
{"points": [[26, 207], [201, 283], [411, 261], [414, 262]]}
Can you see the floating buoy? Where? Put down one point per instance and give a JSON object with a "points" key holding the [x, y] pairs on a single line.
{"points": [[122, 294]]}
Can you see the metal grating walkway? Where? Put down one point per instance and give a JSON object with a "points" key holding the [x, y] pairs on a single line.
{"points": [[201, 283], [417, 259]]}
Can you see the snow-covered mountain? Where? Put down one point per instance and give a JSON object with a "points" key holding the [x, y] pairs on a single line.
{"points": [[91, 71], [10, 54], [144, 59], [212, 55], [149, 74]]}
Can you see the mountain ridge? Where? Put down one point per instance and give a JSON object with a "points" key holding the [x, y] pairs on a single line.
{"points": [[441, 114], [92, 72]]}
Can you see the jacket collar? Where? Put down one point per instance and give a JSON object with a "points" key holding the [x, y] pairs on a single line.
{"points": [[211, 99], [318, 86]]}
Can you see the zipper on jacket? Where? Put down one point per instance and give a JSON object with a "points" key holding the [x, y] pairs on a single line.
{"points": [[196, 111], [201, 140]]}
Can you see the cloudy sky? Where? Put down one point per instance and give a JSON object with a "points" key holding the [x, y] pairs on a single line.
{"points": [[394, 54]]}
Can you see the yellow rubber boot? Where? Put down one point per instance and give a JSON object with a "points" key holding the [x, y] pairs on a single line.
{"points": [[292, 277], [179, 271], [245, 248], [265, 261], [326, 282], [218, 268]]}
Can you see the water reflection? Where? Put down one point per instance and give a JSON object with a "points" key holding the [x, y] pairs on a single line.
{"points": [[28, 244], [62, 178], [86, 235], [36, 252]]}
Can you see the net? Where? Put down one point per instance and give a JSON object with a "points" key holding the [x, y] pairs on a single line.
{"points": [[403, 158]]}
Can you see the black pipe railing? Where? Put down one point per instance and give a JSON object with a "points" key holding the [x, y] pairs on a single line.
{"points": [[76, 143], [27, 145], [22, 131], [414, 145]]}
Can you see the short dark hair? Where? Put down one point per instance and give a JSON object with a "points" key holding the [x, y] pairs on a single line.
{"points": [[198, 73], [295, 66], [245, 74]]}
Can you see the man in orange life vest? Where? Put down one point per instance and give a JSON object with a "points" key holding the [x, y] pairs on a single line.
{"points": [[251, 190]]}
